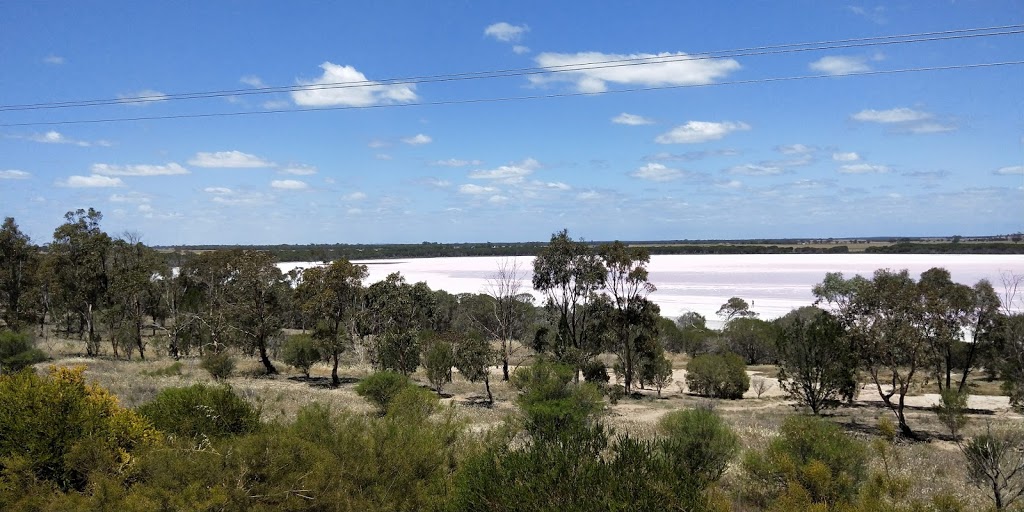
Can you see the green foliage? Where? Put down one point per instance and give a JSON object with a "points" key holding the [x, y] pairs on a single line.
{"points": [[17, 352], [995, 461], [59, 430], [586, 468], [596, 371], [201, 411], [751, 338], [812, 463], [550, 400], [656, 370], [301, 351], [951, 410], [382, 387], [439, 360], [817, 366], [170, 370], [717, 375], [220, 365], [698, 444], [398, 352]]}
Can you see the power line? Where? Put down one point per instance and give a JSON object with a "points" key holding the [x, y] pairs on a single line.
{"points": [[566, 68], [519, 98]]}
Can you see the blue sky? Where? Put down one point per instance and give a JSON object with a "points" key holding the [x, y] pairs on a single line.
{"points": [[921, 153]]}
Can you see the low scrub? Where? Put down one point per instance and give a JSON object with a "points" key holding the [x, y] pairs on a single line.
{"points": [[201, 410], [17, 351], [718, 375], [220, 365], [381, 388]]}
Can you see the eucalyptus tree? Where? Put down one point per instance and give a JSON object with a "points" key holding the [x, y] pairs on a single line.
{"points": [[884, 318], [202, 299], [332, 296], [570, 274], [816, 365], [18, 261], [258, 296], [735, 307], [633, 318], [135, 272], [510, 310], [80, 250], [950, 310], [395, 313]]}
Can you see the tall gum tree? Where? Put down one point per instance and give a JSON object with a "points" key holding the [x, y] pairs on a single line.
{"points": [[18, 261], [332, 296], [569, 274], [79, 251], [627, 285]]}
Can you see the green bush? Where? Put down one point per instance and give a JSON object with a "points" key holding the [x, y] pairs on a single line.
{"points": [[382, 387], [220, 365], [201, 410], [59, 430], [550, 400], [17, 352], [698, 444], [438, 360], [718, 375], [596, 371], [301, 351], [811, 463]]}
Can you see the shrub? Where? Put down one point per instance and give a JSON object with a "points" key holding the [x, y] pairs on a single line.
{"points": [[439, 359], [551, 401], [220, 365], [995, 460], [301, 351], [951, 410], [698, 444], [382, 387], [812, 462], [60, 430], [596, 371], [201, 410], [717, 375], [17, 352]]}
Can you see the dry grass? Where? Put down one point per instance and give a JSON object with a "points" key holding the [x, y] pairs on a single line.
{"points": [[756, 421]]}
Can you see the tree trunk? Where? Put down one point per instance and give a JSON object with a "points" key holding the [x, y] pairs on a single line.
{"points": [[504, 362], [266, 360], [487, 385], [335, 381]]}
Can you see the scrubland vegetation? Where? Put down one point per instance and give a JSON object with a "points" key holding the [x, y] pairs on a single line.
{"points": [[229, 386]]}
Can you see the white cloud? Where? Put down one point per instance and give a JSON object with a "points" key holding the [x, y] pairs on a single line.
{"points": [[590, 195], [700, 131], [229, 160], [893, 115], [497, 199], [218, 190], [506, 32], [557, 185], [299, 169], [138, 170], [794, 149], [356, 90], [846, 157], [354, 196], [376, 144], [664, 69], [755, 170], [1009, 171], [145, 207], [252, 81], [242, 198], [656, 172], [520, 49], [733, 184], [840, 65], [14, 174], [475, 190], [383, 156], [142, 98], [631, 119], [354, 211], [289, 184], [131, 197], [418, 140], [455, 162], [434, 182], [512, 173], [55, 137], [55, 60], [93, 181], [924, 128], [863, 169]]}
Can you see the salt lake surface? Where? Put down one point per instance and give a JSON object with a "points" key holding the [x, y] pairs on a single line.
{"points": [[773, 283]]}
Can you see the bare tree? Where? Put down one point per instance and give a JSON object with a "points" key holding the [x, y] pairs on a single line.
{"points": [[995, 460], [509, 309]]}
